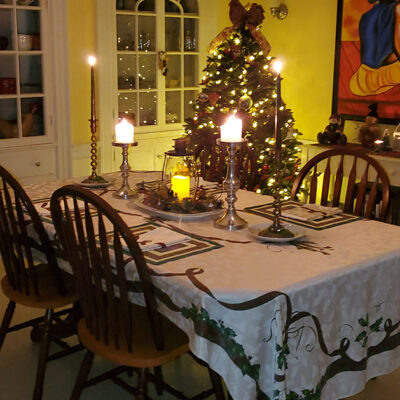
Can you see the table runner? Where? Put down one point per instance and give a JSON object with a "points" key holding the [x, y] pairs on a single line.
{"points": [[309, 320]]}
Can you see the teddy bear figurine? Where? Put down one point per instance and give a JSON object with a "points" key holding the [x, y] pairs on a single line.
{"points": [[333, 132], [370, 130]]}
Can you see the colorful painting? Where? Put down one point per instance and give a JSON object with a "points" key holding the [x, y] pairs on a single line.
{"points": [[367, 66]]}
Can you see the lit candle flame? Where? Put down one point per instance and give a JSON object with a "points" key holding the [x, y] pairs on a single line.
{"points": [[92, 60], [277, 66]]}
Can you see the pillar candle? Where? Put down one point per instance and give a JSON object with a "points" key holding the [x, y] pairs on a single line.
{"points": [[231, 131], [180, 185], [378, 145], [124, 132]]}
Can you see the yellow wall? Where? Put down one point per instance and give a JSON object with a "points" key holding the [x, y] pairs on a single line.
{"points": [[305, 40], [82, 43]]}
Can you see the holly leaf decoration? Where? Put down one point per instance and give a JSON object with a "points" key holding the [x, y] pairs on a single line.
{"points": [[375, 327], [363, 322]]}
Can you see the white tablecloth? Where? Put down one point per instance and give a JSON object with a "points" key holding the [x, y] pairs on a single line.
{"points": [[314, 319]]}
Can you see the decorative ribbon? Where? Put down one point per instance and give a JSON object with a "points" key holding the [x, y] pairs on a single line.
{"points": [[251, 16]]}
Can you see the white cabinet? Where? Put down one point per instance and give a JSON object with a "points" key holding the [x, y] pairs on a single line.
{"points": [[28, 98], [149, 154], [149, 72], [30, 163]]}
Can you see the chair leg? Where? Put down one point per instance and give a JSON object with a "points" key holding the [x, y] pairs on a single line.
{"points": [[5, 324], [158, 374], [216, 383], [43, 354], [142, 381], [83, 374]]}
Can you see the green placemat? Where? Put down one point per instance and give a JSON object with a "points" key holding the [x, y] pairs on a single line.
{"points": [[267, 211]]}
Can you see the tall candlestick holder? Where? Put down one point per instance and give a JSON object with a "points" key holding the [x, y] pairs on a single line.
{"points": [[93, 178], [276, 229], [125, 191], [230, 219]]}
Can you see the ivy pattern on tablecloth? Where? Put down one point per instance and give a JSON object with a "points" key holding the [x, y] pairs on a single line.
{"points": [[217, 332]]}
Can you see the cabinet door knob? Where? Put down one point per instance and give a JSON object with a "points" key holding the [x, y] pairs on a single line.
{"points": [[37, 163]]}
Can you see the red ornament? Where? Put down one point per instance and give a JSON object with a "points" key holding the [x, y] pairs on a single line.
{"points": [[213, 98]]}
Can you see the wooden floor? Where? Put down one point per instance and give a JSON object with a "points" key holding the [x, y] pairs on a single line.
{"points": [[18, 363]]}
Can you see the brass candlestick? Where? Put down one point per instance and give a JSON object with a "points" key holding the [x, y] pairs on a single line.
{"points": [[125, 191], [93, 178], [230, 219]]}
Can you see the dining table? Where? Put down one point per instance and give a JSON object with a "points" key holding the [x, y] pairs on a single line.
{"points": [[311, 318]]}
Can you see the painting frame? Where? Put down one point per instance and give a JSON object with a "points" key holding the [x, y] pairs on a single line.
{"points": [[347, 61]]}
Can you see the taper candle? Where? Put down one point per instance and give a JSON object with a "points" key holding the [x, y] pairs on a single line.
{"points": [[278, 137], [92, 62]]}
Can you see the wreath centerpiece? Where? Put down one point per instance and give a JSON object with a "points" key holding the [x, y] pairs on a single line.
{"points": [[162, 197]]}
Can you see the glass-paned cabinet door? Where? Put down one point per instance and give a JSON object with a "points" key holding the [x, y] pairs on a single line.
{"points": [[150, 92], [137, 61], [181, 44], [22, 94]]}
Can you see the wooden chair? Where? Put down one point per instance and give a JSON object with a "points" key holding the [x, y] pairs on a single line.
{"points": [[212, 160], [367, 183], [100, 245], [28, 282]]}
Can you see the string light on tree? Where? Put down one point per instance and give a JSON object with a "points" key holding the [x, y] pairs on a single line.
{"points": [[239, 65]]}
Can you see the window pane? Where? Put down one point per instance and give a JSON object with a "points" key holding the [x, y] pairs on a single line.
{"points": [[189, 97], [173, 78], [146, 5], [8, 118], [126, 4], [147, 72], [5, 30], [171, 8], [147, 33], [173, 107], [28, 22], [190, 6], [126, 71], [127, 106], [190, 70], [125, 32], [30, 68], [32, 117], [148, 108], [172, 34], [27, 2], [8, 80], [120, 4], [190, 30]]}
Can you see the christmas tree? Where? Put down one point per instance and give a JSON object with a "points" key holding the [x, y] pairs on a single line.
{"points": [[239, 79]]}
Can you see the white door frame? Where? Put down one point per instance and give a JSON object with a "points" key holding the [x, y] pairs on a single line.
{"points": [[60, 121]]}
